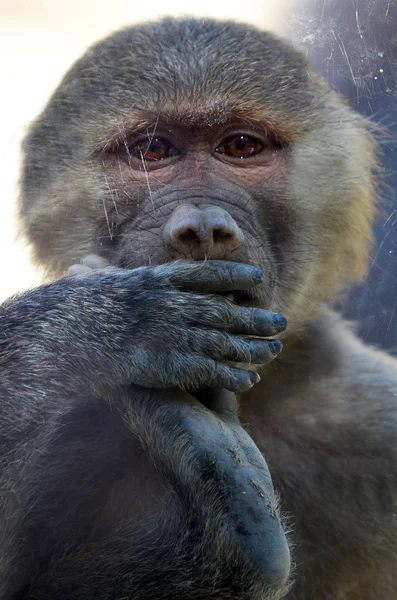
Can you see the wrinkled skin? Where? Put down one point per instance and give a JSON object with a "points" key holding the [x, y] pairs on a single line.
{"points": [[201, 184]]}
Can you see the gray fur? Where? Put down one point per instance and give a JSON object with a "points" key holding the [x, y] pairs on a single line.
{"points": [[101, 465]]}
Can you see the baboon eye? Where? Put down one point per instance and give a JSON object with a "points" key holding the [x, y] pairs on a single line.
{"points": [[240, 146], [153, 149]]}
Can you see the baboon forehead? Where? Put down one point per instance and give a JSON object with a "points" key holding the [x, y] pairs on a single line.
{"points": [[199, 61]]}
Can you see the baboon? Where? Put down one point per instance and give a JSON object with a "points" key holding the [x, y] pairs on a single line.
{"points": [[202, 185]]}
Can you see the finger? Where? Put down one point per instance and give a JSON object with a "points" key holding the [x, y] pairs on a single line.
{"points": [[247, 351], [78, 270], [206, 372], [212, 276], [231, 378], [188, 371], [255, 321], [94, 261], [223, 314]]}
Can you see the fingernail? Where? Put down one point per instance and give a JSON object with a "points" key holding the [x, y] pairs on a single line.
{"points": [[255, 378], [275, 346], [280, 322], [257, 274]]}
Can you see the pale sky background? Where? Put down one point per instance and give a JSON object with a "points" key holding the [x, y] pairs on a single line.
{"points": [[39, 40]]}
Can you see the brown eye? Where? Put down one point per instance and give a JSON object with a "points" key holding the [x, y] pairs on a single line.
{"points": [[240, 146], [153, 149]]}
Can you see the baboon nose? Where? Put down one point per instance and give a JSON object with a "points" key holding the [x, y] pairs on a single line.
{"points": [[202, 232]]}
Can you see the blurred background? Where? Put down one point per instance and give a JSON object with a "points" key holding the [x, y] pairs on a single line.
{"points": [[353, 44]]}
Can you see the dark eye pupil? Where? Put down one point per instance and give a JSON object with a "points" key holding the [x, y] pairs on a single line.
{"points": [[240, 146], [243, 146], [154, 149]]}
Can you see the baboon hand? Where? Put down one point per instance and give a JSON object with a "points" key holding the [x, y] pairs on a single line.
{"points": [[167, 325]]}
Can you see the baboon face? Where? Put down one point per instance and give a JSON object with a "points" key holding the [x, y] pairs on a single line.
{"points": [[188, 139]]}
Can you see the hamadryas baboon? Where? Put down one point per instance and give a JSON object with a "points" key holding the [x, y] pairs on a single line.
{"points": [[201, 182]]}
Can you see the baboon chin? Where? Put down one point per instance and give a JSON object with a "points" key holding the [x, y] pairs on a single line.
{"points": [[191, 187]]}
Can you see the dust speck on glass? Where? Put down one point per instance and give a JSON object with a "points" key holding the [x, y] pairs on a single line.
{"points": [[353, 44]]}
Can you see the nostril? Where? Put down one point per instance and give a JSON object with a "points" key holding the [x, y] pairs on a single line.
{"points": [[188, 236], [222, 235]]}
